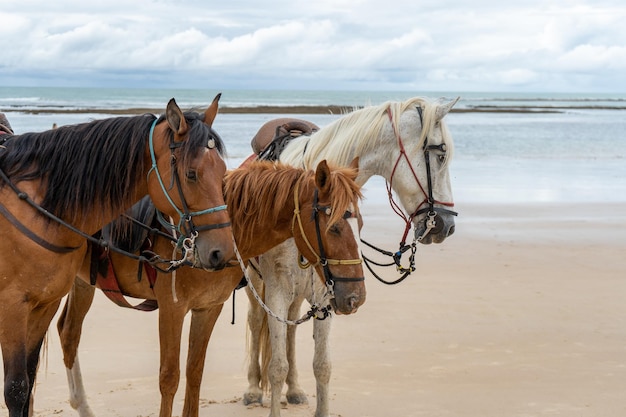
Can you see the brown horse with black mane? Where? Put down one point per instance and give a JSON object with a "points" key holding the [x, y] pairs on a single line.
{"points": [[59, 187], [268, 204]]}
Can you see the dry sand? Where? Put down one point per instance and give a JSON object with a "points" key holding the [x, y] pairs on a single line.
{"points": [[520, 313]]}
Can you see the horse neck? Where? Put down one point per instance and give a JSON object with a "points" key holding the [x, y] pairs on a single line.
{"points": [[269, 229], [95, 223], [376, 158], [92, 224]]}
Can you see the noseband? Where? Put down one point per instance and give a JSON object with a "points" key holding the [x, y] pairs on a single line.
{"points": [[432, 211], [187, 239], [322, 260], [185, 228]]}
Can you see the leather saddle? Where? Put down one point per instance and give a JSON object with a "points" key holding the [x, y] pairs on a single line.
{"points": [[5, 126], [131, 239], [274, 135]]}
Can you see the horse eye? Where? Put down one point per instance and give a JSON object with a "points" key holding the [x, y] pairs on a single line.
{"points": [[334, 229], [347, 214], [442, 158], [192, 175]]}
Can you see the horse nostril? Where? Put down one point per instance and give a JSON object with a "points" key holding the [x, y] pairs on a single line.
{"points": [[216, 258], [451, 231]]}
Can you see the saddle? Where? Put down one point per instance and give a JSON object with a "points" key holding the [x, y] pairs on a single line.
{"points": [[271, 139], [5, 126], [274, 135], [136, 239], [144, 213]]}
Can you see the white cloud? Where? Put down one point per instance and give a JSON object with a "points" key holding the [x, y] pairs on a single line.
{"points": [[484, 44]]}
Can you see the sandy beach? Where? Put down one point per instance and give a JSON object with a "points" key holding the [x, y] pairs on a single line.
{"points": [[520, 313]]}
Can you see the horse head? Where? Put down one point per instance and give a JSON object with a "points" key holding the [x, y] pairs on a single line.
{"points": [[327, 233], [187, 157], [420, 174]]}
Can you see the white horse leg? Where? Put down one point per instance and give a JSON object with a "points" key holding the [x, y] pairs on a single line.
{"points": [[322, 366], [295, 393], [278, 366], [279, 294], [256, 315], [70, 326], [78, 397]]}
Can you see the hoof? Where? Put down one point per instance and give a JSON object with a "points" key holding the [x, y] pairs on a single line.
{"points": [[250, 398], [297, 398]]}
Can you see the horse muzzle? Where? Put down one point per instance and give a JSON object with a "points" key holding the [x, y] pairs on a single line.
{"points": [[348, 298], [210, 260], [443, 227]]}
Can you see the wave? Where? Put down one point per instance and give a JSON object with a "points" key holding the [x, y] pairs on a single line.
{"points": [[133, 101]]}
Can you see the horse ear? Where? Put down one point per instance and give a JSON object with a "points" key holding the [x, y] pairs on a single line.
{"points": [[322, 177], [211, 112], [176, 118], [444, 109]]}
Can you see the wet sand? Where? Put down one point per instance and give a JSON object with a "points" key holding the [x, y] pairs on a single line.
{"points": [[520, 313]]}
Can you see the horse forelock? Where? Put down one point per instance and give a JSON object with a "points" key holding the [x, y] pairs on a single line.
{"points": [[198, 136], [345, 193], [429, 122], [84, 169]]}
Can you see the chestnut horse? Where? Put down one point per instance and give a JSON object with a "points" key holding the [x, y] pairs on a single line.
{"points": [[268, 204], [59, 187], [405, 142]]}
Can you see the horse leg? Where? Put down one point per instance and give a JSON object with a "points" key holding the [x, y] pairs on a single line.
{"points": [[21, 346], [202, 324], [70, 326], [16, 385], [295, 393], [39, 321], [322, 366], [278, 365], [170, 332], [256, 316]]}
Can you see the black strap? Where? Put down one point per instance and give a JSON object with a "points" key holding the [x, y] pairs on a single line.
{"points": [[154, 260], [32, 236]]}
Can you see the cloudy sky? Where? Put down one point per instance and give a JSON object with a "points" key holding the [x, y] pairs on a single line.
{"points": [[435, 45]]}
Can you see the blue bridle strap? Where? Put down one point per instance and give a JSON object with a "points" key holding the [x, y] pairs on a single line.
{"points": [[183, 216]]}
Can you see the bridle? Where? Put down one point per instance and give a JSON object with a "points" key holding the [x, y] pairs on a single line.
{"points": [[321, 259], [188, 232], [429, 203], [185, 229], [316, 311]]}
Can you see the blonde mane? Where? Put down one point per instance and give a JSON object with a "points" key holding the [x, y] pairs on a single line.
{"points": [[357, 133]]}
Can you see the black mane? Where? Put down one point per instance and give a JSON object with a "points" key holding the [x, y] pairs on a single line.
{"points": [[88, 168]]}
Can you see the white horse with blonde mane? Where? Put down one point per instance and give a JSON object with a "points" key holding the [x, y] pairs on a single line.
{"points": [[408, 144]]}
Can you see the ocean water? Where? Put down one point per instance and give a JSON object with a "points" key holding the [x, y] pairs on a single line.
{"points": [[575, 154]]}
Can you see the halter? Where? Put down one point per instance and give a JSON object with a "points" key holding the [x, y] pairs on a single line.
{"points": [[185, 228], [187, 240], [429, 200], [322, 260]]}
